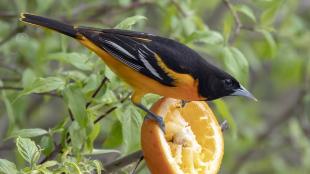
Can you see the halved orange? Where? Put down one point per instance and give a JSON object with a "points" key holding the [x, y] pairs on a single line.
{"points": [[193, 143]]}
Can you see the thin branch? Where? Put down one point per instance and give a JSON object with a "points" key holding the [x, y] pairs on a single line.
{"points": [[111, 109], [134, 171], [122, 162], [103, 81], [236, 17]]}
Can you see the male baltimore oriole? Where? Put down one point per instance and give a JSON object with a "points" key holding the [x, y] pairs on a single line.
{"points": [[151, 64]]}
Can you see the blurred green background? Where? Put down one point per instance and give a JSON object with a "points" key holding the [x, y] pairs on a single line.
{"points": [[264, 43]]}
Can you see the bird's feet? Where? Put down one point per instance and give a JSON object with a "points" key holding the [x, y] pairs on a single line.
{"points": [[159, 120]]}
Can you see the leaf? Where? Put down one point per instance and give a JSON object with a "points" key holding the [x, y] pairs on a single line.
{"points": [[208, 37], [48, 164], [47, 144], [28, 133], [131, 121], [247, 11], [272, 46], [10, 112], [79, 60], [228, 26], [240, 58], [7, 167], [98, 166], [230, 62], [223, 110], [269, 15], [28, 78], [76, 103], [78, 136], [41, 85], [115, 136], [129, 22], [28, 150]]}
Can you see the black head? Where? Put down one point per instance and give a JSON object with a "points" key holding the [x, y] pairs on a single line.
{"points": [[217, 83]]}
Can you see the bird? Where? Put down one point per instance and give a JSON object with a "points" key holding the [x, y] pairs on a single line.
{"points": [[151, 64]]}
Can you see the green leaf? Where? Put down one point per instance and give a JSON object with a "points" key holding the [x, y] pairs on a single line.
{"points": [[98, 166], [41, 85], [10, 112], [228, 26], [115, 136], [76, 103], [28, 78], [129, 22], [241, 60], [230, 62], [28, 133], [208, 37], [236, 62], [7, 167], [48, 164], [79, 60], [78, 136], [272, 46], [223, 110], [131, 121], [247, 11], [28, 150], [47, 144], [269, 15]]}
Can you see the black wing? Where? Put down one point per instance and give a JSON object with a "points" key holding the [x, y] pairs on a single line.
{"points": [[131, 49]]}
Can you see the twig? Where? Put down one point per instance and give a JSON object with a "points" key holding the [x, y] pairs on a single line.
{"points": [[111, 109], [12, 34], [236, 17], [103, 81], [137, 165], [122, 162]]}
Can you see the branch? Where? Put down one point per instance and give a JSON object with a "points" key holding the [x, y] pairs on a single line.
{"points": [[236, 17], [103, 81], [122, 162], [111, 109], [238, 23]]}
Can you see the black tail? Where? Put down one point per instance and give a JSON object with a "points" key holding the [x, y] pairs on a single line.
{"points": [[49, 23]]}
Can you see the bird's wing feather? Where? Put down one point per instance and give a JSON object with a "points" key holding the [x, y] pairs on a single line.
{"points": [[132, 49]]}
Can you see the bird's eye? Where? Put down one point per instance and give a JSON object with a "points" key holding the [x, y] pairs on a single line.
{"points": [[228, 83]]}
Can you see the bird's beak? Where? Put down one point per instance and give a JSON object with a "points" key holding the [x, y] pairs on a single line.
{"points": [[243, 92]]}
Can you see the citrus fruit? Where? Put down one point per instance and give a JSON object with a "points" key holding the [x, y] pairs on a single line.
{"points": [[193, 142]]}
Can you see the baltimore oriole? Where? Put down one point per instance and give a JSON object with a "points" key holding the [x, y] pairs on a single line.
{"points": [[151, 64]]}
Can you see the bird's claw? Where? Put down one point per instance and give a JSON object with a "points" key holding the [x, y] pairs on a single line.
{"points": [[159, 120]]}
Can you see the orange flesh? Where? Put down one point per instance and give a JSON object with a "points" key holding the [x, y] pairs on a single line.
{"points": [[192, 144]]}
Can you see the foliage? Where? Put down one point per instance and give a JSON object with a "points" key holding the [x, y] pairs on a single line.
{"points": [[46, 79]]}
